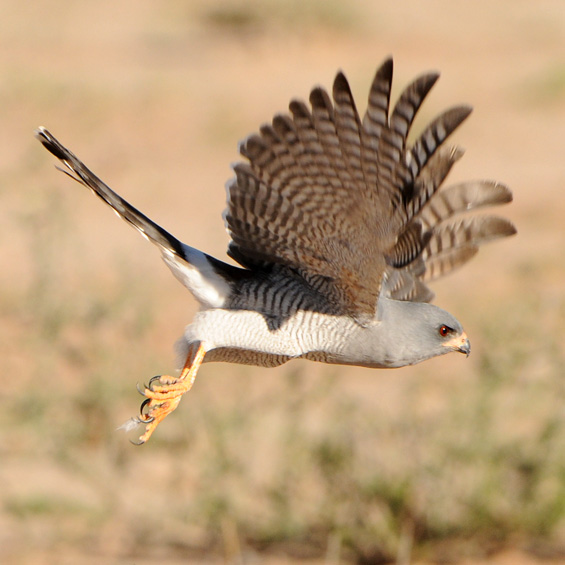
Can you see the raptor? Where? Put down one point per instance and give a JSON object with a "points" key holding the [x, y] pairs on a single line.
{"points": [[338, 224]]}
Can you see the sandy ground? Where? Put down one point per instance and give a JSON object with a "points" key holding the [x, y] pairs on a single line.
{"points": [[155, 96]]}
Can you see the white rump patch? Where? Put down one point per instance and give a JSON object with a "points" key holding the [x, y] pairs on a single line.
{"points": [[198, 275]]}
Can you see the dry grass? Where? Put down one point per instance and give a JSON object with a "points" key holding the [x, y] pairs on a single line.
{"points": [[452, 460]]}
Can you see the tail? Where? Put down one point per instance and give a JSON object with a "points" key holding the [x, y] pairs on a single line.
{"points": [[78, 171], [206, 277]]}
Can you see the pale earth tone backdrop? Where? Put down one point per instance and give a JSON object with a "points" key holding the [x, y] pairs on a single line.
{"points": [[154, 96]]}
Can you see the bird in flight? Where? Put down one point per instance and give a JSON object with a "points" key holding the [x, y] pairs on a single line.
{"points": [[338, 224]]}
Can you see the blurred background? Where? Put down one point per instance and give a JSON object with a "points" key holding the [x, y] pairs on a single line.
{"points": [[453, 460]]}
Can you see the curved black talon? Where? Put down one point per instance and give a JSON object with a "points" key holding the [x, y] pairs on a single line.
{"points": [[152, 380], [141, 390], [146, 419], [138, 442]]}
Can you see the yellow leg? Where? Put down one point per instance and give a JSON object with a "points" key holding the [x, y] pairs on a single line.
{"points": [[163, 393]]}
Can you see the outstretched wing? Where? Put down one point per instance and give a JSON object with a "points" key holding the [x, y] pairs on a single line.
{"points": [[455, 236], [341, 200]]}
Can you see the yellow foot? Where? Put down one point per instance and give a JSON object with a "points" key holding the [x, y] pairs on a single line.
{"points": [[163, 393]]}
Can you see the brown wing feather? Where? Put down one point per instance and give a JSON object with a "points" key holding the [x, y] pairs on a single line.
{"points": [[454, 238], [308, 171], [455, 241], [393, 169], [347, 202]]}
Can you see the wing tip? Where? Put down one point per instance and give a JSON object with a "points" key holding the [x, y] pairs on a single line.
{"points": [[340, 82], [504, 194], [387, 67]]}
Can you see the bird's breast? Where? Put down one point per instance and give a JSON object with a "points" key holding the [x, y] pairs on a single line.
{"points": [[299, 334]]}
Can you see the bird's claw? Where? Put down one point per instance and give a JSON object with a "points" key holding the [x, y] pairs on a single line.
{"points": [[163, 393], [152, 380], [138, 442], [145, 417], [160, 400]]}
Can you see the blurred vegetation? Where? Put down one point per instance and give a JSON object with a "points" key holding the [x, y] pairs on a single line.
{"points": [[284, 461], [258, 16], [300, 466]]}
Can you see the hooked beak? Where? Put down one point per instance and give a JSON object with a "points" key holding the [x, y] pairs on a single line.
{"points": [[465, 346], [460, 343]]}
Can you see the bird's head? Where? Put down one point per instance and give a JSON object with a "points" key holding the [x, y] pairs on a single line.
{"points": [[434, 331], [412, 332]]}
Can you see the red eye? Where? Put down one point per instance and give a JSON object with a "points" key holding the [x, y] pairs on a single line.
{"points": [[444, 330]]}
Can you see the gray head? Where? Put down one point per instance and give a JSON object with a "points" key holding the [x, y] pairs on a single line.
{"points": [[420, 331], [407, 333]]}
